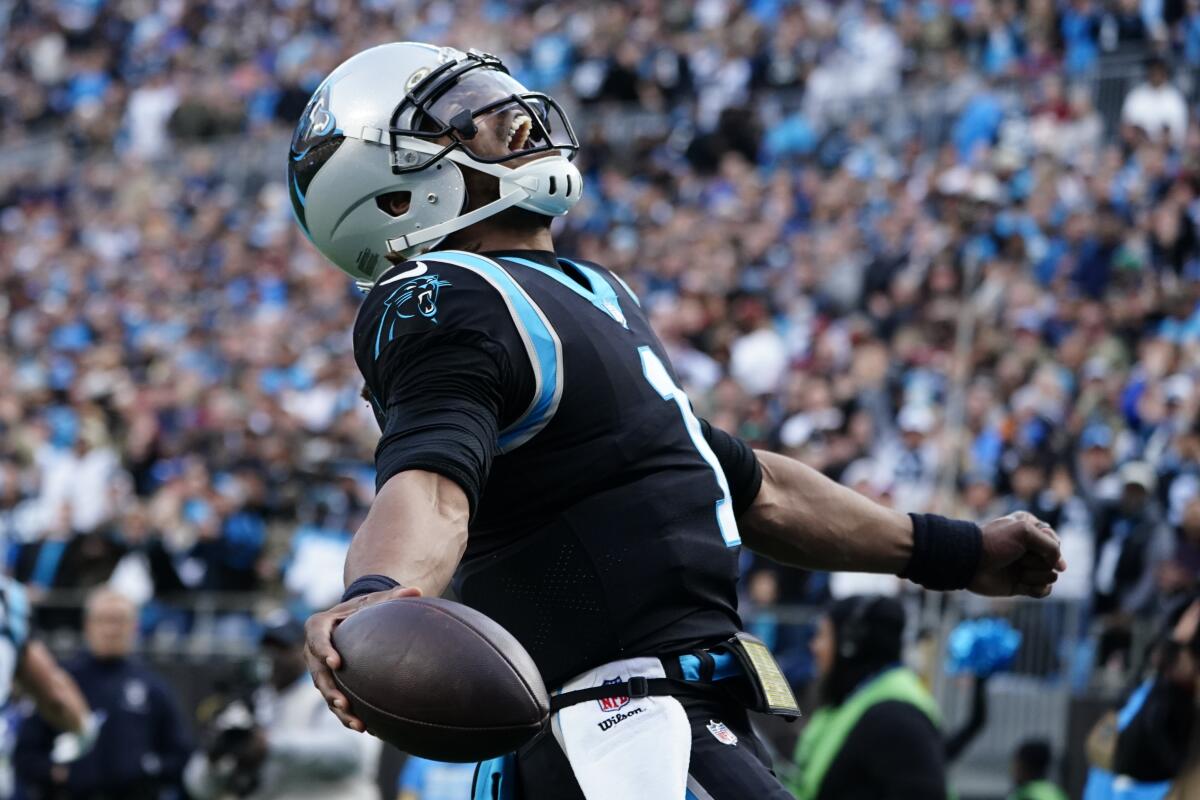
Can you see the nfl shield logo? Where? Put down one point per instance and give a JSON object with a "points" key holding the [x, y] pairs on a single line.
{"points": [[612, 703], [721, 733]]}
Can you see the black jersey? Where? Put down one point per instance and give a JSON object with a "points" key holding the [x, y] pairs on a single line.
{"points": [[602, 524]]}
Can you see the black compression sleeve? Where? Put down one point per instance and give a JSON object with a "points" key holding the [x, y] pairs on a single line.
{"points": [[739, 464]]}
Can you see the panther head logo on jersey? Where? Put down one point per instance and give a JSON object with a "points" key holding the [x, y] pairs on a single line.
{"points": [[417, 297]]}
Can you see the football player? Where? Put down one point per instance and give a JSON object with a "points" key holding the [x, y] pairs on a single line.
{"points": [[27, 663], [538, 452]]}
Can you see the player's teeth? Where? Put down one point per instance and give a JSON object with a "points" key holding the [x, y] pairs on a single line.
{"points": [[516, 125]]}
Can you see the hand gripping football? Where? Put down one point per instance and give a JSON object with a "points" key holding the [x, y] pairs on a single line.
{"points": [[439, 680]]}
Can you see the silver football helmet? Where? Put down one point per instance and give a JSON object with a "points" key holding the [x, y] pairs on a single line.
{"points": [[403, 118]]}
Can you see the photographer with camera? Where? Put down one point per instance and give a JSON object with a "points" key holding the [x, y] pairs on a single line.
{"points": [[282, 743]]}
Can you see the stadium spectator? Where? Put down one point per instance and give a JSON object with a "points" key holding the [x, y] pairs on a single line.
{"points": [[1031, 492], [1031, 773], [912, 458], [1189, 33], [1156, 108], [1094, 465], [144, 739], [1148, 744], [1132, 541], [293, 747], [314, 547], [877, 732]]}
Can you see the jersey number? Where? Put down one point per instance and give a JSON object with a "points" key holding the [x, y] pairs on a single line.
{"points": [[658, 377]]}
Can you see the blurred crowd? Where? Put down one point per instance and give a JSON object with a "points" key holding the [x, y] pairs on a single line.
{"points": [[946, 252]]}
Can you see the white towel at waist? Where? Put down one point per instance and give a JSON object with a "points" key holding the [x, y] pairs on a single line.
{"points": [[626, 748]]}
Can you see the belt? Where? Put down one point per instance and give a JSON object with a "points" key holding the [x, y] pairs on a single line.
{"points": [[693, 674]]}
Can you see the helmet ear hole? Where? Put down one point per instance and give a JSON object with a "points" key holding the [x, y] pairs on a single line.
{"points": [[394, 204]]}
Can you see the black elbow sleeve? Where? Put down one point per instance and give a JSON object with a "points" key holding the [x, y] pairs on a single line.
{"points": [[455, 446]]}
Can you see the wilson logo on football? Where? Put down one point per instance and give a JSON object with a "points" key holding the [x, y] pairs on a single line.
{"points": [[608, 704]]}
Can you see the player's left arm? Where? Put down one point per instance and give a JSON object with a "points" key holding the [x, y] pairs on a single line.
{"points": [[798, 516]]}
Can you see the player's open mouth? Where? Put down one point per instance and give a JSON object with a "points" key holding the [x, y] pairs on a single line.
{"points": [[518, 133]]}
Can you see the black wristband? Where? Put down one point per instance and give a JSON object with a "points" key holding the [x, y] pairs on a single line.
{"points": [[368, 584], [946, 552]]}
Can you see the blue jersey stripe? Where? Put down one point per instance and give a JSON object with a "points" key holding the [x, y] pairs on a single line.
{"points": [[541, 343], [602, 295], [605, 294]]}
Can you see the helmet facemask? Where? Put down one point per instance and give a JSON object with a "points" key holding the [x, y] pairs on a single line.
{"points": [[472, 113], [474, 107]]}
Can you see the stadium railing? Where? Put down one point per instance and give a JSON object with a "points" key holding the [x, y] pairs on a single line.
{"points": [[1035, 699]]}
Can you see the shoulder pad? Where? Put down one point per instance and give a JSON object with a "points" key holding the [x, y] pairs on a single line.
{"points": [[451, 290], [425, 296]]}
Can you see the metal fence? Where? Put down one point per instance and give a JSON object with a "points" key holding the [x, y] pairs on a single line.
{"points": [[1031, 701]]}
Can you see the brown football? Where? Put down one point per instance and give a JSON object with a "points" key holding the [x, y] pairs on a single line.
{"points": [[439, 680]]}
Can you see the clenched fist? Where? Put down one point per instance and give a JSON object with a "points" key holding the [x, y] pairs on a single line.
{"points": [[1021, 556]]}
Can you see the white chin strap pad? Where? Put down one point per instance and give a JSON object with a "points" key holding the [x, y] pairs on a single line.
{"points": [[550, 185]]}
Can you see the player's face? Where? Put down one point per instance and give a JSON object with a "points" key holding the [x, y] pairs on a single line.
{"points": [[500, 127], [823, 646], [505, 131]]}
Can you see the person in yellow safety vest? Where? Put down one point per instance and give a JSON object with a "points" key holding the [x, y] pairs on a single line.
{"points": [[1030, 766], [877, 733]]}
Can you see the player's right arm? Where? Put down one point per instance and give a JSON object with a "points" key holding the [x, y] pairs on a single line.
{"points": [[802, 518], [58, 698], [793, 514], [442, 384]]}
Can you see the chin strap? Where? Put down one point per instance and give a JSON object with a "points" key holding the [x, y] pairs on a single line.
{"points": [[550, 186], [404, 245]]}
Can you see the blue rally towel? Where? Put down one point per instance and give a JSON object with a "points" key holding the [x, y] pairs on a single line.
{"points": [[981, 647]]}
